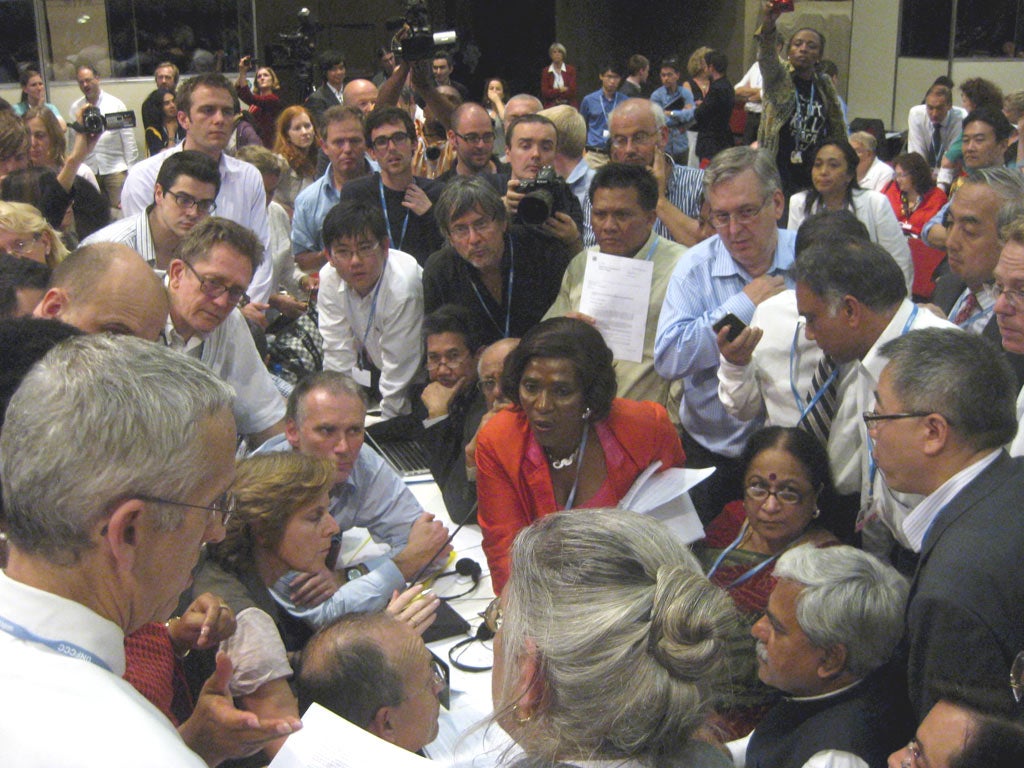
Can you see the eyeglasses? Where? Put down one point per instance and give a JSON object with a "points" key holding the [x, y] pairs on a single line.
{"points": [[480, 228], [398, 138], [871, 418], [640, 137], [745, 215], [476, 138], [1014, 298], [450, 360], [213, 289], [224, 506], [760, 493], [915, 755], [363, 251], [487, 385], [22, 247], [493, 615], [187, 202]]}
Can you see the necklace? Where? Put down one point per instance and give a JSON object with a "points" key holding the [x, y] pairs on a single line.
{"points": [[569, 460]]}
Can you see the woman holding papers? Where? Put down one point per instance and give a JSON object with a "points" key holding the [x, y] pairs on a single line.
{"points": [[610, 645], [567, 442], [786, 481]]}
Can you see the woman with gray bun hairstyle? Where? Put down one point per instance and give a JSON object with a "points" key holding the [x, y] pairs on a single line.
{"points": [[610, 644]]}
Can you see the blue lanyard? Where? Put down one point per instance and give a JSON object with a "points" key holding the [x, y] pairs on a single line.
{"points": [[973, 318], [872, 467], [650, 251], [581, 451], [800, 406], [62, 647], [508, 293], [373, 305], [615, 101], [748, 574], [387, 219]]}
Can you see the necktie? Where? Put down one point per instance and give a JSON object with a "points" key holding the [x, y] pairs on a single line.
{"points": [[822, 400], [968, 308], [936, 144]]}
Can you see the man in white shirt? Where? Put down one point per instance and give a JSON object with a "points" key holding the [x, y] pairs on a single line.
{"points": [[184, 194], [370, 305], [853, 300], [206, 109], [872, 173], [933, 126], [103, 533], [116, 150], [748, 90], [205, 283], [944, 407]]}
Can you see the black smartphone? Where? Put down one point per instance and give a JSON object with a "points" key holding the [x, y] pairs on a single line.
{"points": [[736, 326]]}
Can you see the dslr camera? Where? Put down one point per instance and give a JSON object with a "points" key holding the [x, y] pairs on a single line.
{"points": [[543, 197], [420, 41]]}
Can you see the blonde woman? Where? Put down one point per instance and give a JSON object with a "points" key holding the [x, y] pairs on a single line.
{"points": [[24, 233]]}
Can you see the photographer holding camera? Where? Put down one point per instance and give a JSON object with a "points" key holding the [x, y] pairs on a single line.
{"points": [[115, 151]]}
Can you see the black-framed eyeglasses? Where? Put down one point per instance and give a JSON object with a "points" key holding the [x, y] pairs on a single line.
{"points": [[476, 138], [224, 506], [451, 360], [187, 202], [760, 493], [872, 417], [398, 138], [214, 289]]}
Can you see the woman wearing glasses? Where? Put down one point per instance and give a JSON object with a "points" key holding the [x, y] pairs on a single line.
{"points": [[567, 442], [24, 233], [610, 645], [786, 481]]}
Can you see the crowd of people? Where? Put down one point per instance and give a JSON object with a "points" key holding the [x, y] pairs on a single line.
{"points": [[556, 293]]}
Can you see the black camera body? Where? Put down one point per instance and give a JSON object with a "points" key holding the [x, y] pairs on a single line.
{"points": [[94, 122], [421, 41], [543, 197]]}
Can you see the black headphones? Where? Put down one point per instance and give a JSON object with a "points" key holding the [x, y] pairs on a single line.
{"points": [[465, 566], [482, 633]]}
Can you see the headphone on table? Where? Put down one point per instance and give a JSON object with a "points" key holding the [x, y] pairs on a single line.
{"points": [[465, 566]]}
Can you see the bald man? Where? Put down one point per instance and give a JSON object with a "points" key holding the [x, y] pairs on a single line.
{"points": [[361, 94], [106, 288]]}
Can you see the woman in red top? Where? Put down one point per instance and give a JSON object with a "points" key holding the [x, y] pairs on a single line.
{"points": [[558, 80], [264, 103], [915, 199], [568, 442], [786, 480]]}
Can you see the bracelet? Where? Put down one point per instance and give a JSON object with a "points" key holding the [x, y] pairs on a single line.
{"points": [[174, 649]]}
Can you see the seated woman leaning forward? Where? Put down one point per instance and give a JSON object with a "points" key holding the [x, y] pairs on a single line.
{"points": [[610, 645], [786, 482], [567, 442]]}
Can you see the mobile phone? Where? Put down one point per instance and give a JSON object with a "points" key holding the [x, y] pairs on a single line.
{"points": [[736, 326], [782, 6]]}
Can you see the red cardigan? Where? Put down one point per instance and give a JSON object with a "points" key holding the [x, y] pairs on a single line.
{"points": [[550, 96], [514, 487]]}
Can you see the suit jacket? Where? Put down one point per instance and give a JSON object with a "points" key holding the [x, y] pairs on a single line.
{"points": [[712, 117], [319, 101], [965, 613], [947, 290], [514, 482]]}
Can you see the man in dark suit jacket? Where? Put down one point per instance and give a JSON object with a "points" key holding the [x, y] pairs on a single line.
{"points": [[944, 409], [973, 245], [332, 72]]}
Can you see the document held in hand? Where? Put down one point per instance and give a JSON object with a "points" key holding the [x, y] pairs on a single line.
{"points": [[665, 496], [616, 293]]}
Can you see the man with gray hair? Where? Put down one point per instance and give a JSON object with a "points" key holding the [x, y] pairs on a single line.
{"points": [[872, 173], [376, 672], [944, 408], [103, 533], [988, 199], [853, 299], [106, 288], [748, 261], [206, 282], [831, 625]]}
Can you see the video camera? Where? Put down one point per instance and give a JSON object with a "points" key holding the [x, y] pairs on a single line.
{"points": [[95, 122], [420, 41]]}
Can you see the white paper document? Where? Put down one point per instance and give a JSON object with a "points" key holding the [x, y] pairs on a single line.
{"points": [[616, 293], [329, 741], [665, 497]]}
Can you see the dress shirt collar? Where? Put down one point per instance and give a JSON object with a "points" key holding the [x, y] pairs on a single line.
{"points": [[826, 696], [919, 522], [726, 266], [57, 618], [578, 172], [175, 340], [873, 361]]}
